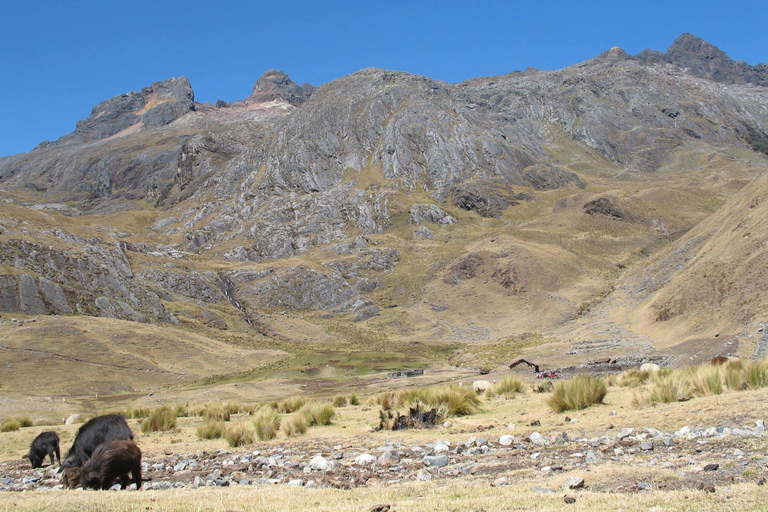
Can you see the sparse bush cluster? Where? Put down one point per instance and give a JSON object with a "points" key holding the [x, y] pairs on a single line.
{"points": [[684, 384], [292, 416], [507, 387], [160, 419], [13, 424], [448, 399], [577, 393], [211, 430]]}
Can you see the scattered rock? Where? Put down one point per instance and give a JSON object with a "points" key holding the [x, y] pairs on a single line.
{"points": [[711, 467], [436, 461], [573, 482]]}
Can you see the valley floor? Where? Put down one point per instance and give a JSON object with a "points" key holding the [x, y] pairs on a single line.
{"points": [[710, 453]]}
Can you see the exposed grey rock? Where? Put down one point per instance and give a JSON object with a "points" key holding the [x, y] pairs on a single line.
{"points": [[703, 59], [423, 232], [573, 482], [320, 463], [388, 458], [275, 85], [436, 461], [507, 440], [54, 295], [29, 296], [430, 213], [365, 459]]}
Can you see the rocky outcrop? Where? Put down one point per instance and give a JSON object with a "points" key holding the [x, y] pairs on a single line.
{"points": [[152, 107], [430, 213], [705, 60], [276, 85], [301, 289], [95, 280]]}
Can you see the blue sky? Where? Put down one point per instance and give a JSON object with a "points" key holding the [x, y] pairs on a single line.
{"points": [[59, 59]]}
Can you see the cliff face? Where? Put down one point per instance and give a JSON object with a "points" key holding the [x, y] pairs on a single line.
{"points": [[382, 188]]}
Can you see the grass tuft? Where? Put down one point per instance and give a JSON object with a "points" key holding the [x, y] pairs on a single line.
{"points": [[14, 424], [267, 423], [211, 430], [578, 393], [318, 413], [239, 434], [160, 419], [294, 425], [507, 387], [292, 404], [340, 401]]}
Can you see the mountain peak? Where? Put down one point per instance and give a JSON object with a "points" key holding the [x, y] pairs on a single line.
{"points": [[274, 84], [706, 60]]}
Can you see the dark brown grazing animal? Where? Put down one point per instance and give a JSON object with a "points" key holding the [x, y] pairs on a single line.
{"points": [[70, 477], [47, 443], [718, 361], [91, 434], [110, 462]]}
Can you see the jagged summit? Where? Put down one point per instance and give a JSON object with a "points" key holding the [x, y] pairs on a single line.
{"points": [[157, 105], [707, 61], [274, 84]]}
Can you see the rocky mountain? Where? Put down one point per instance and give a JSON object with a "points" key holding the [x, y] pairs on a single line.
{"points": [[461, 212]]}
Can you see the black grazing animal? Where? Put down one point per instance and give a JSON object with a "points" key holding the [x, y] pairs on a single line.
{"points": [[110, 462], [99, 430], [47, 443]]}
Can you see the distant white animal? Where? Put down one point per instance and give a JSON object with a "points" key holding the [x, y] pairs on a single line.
{"points": [[481, 386], [650, 367]]}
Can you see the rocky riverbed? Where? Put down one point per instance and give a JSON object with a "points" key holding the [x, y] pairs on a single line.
{"points": [[635, 460]]}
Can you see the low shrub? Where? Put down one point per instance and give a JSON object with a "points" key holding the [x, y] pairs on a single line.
{"points": [[267, 423], [353, 399], [706, 380], [340, 401], [451, 400], [160, 419], [239, 434], [14, 424], [578, 393], [544, 386], [318, 413], [508, 387], [294, 425], [292, 404], [633, 378], [216, 413], [756, 375], [211, 430]]}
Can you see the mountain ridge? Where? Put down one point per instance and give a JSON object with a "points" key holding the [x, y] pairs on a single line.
{"points": [[391, 201]]}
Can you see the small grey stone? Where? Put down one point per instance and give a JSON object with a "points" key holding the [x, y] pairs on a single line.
{"points": [[364, 459], [573, 482], [436, 461], [625, 433], [388, 458], [647, 447], [296, 482], [423, 475], [506, 440]]}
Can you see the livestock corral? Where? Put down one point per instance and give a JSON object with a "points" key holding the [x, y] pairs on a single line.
{"points": [[509, 446]]}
